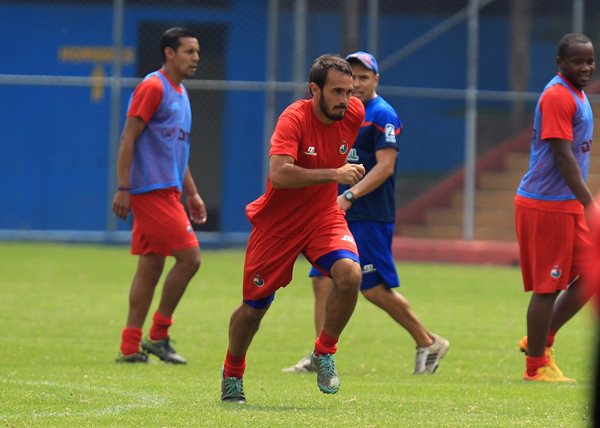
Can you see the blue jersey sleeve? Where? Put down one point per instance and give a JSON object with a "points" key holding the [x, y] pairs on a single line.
{"points": [[387, 126]]}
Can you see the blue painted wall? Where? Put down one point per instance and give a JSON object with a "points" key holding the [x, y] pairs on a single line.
{"points": [[55, 140]]}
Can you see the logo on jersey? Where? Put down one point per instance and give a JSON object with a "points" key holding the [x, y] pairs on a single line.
{"points": [[348, 238], [311, 151], [189, 229], [368, 268], [168, 133], [390, 133], [556, 272], [258, 281], [586, 146], [353, 155], [343, 147]]}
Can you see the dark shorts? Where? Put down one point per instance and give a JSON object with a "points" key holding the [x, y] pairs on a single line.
{"points": [[374, 242]]}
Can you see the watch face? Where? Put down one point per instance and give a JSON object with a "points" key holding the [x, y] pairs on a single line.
{"points": [[349, 196]]}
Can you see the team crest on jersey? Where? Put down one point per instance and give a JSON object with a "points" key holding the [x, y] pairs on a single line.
{"points": [[343, 147], [556, 272], [353, 155], [390, 133], [258, 281]]}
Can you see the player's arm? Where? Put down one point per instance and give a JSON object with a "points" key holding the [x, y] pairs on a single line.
{"points": [[134, 126], [285, 174], [569, 169], [194, 201], [383, 169]]}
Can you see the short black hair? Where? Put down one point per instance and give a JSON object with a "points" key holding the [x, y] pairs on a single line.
{"points": [[172, 39], [570, 39], [322, 65]]}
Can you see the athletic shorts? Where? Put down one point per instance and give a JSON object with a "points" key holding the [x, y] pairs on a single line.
{"points": [[160, 223], [270, 260], [554, 248], [374, 242]]}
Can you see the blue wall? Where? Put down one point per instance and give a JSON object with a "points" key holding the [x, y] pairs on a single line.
{"points": [[55, 140]]}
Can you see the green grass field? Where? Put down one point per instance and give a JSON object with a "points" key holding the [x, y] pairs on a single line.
{"points": [[63, 307]]}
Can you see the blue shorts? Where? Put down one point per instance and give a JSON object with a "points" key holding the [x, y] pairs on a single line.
{"points": [[374, 242]]}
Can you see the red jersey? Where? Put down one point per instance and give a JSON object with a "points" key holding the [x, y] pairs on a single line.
{"points": [[147, 97], [313, 145]]}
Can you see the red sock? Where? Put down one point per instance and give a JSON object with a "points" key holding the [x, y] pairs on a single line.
{"points": [[550, 340], [325, 344], [130, 340], [234, 366], [534, 363], [160, 326]]}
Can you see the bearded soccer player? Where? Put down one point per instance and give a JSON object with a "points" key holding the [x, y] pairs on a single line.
{"points": [[153, 172], [299, 214], [370, 211], [553, 205]]}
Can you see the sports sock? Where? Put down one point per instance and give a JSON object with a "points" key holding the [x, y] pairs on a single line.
{"points": [[534, 363], [325, 344], [130, 340], [160, 326], [550, 340], [234, 366]]}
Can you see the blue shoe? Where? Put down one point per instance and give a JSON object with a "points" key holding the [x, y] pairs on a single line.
{"points": [[327, 377]]}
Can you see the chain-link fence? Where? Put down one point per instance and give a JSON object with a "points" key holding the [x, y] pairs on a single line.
{"points": [[451, 68]]}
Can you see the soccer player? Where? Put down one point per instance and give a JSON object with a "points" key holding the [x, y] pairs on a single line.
{"points": [[299, 214], [370, 212], [153, 171], [551, 206]]}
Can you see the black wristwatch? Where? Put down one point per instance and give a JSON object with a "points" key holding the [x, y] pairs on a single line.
{"points": [[349, 196]]}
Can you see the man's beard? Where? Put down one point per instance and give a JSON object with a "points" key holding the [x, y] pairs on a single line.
{"points": [[328, 115]]}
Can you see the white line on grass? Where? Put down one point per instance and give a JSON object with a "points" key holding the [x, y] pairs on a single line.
{"points": [[145, 400]]}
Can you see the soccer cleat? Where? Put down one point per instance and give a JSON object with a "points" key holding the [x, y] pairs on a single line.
{"points": [[305, 365], [548, 352], [328, 380], [427, 359], [232, 390], [138, 357], [162, 349], [547, 374]]}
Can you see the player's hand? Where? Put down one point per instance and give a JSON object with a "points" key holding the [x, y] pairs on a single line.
{"points": [[197, 209], [343, 203], [121, 204], [350, 173]]}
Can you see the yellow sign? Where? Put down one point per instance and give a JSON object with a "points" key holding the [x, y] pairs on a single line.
{"points": [[98, 55]]}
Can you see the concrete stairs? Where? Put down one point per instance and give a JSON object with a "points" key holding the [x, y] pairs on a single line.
{"points": [[438, 214]]}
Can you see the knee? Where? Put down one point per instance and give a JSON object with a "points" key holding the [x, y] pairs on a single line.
{"points": [[191, 261], [346, 275], [377, 294], [250, 315]]}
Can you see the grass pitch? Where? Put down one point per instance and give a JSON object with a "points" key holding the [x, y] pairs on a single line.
{"points": [[63, 307]]}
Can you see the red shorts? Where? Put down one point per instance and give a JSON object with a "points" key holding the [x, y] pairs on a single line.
{"points": [[554, 248], [160, 223], [270, 260]]}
